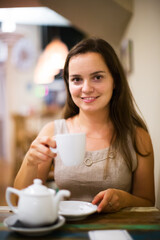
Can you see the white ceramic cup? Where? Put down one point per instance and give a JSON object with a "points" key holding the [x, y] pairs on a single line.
{"points": [[71, 148]]}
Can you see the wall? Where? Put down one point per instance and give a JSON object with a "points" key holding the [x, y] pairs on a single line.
{"points": [[20, 72], [144, 30], [20, 97]]}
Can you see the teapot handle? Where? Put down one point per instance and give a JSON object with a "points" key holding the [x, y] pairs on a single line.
{"points": [[8, 193]]}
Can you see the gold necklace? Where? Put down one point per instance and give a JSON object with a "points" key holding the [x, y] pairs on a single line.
{"points": [[111, 154]]}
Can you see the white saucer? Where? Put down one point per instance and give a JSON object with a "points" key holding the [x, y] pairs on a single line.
{"points": [[76, 210], [38, 231]]}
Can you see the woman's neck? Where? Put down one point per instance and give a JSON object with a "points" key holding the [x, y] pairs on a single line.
{"points": [[96, 126]]}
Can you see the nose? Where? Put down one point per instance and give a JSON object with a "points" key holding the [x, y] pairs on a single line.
{"points": [[87, 86]]}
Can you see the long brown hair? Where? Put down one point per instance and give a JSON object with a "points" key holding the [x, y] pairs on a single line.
{"points": [[123, 113]]}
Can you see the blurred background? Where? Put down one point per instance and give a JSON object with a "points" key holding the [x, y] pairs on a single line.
{"points": [[35, 36]]}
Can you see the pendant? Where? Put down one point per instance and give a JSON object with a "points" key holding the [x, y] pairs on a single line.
{"points": [[88, 162]]}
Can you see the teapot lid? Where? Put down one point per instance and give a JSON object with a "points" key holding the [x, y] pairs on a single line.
{"points": [[37, 189]]}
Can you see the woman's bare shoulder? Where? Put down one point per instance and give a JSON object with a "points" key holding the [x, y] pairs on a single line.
{"points": [[47, 130]]}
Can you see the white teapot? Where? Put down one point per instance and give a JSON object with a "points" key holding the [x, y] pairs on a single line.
{"points": [[37, 205]]}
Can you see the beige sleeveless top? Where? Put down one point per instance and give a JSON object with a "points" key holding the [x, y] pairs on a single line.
{"points": [[88, 179]]}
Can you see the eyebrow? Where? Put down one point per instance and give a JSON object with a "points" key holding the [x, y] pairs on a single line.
{"points": [[75, 75], [97, 72]]}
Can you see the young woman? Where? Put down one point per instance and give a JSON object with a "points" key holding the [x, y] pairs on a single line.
{"points": [[118, 169]]}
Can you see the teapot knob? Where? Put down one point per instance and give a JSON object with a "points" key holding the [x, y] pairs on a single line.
{"points": [[37, 181]]}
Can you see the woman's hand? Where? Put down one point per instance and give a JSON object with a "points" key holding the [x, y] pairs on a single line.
{"points": [[110, 200], [39, 151], [38, 160]]}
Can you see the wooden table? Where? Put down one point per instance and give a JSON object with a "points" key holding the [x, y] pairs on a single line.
{"points": [[141, 223]]}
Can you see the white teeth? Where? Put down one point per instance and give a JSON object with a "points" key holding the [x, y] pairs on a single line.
{"points": [[89, 98]]}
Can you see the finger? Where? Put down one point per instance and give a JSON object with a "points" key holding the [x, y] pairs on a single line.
{"points": [[41, 144], [106, 202], [98, 198], [51, 144], [36, 157], [46, 150], [48, 141], [43, 157]]}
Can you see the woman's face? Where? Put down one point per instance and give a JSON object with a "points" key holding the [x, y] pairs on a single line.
{"points": [[90, 82]]}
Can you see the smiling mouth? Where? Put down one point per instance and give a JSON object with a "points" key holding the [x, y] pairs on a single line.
{"points": [[88, 99]]}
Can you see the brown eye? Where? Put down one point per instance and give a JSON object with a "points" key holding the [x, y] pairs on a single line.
{"points": [[98, 77], [76, 80]]}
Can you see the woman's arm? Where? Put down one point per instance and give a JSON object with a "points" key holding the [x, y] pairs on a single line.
{"points": [[38, 159], [142, 194], [143, 178]]}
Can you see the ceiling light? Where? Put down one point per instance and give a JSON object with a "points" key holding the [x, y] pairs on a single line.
{"points": [[50, 62], [33, 15]]}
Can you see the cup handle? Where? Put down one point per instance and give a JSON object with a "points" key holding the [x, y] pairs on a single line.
{"points": [[8, 193], [54, 150]]}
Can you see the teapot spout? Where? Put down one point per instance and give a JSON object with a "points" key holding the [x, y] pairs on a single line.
{"points": [[60, 196]]}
